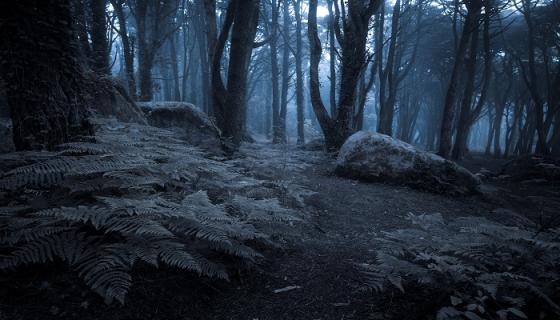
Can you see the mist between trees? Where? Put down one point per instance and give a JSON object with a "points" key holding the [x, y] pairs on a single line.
{"points": [[447, 76]]}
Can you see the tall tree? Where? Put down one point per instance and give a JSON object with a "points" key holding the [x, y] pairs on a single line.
{"points": [[285, 71], [471, 23], [240, 23], [150, 19], [128, 46], [356, 18], [99, 42], [45, 86], [274, 75], [300, 102], [468, 113]]}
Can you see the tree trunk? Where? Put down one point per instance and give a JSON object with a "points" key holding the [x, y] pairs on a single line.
{"points": [[174, 67], [285, 71], [128, 47], [145, 55], [47, 105], [332, 60], [356, 25], [243, 33], [445, 142], [299, 75], [81, 29], [326, 123], [463, 125], [99, 43], [387, 83], [276, 130]]}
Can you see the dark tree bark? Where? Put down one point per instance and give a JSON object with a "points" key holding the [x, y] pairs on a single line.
{"points": [[445, 142], [241, 19], [387, 77], [326, 122], [128, 47], [81, 28], [300, 102], [465, 110], [146, 53], [242, 36], [353, 42], [45, 86], [285, 71], [99, 43], [332, 59], [150, 19], [176, 91], [273, 44], [470, 114], [531, 77]]}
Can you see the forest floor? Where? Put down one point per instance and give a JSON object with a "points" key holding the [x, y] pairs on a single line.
{"points": [[317, 265]]}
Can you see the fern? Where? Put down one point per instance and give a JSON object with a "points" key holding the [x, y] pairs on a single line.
{"points": [[131, 197], [487, 269]]}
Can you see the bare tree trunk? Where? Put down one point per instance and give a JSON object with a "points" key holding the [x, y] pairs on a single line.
{"points": [[332, 60], [356, 25], [174, 67], [48, 104], [445, 143], [99, 43], [299, 75], [532, 79], [81, 29], [285, 71], [465, 112], [387, 81], [276, 130], [326, 123], [145, 54], [245, 22], [128, 47]]}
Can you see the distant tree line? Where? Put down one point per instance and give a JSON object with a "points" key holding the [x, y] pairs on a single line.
{"points": [[449, 76]]}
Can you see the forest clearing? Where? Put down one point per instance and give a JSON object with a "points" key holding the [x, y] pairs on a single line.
{"points": [[279, 159]]}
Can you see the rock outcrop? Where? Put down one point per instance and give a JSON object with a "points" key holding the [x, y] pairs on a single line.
{"points": [[199, 129], [377, 157]]}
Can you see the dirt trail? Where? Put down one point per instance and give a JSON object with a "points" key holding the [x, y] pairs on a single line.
{"points": [[345, 217]]}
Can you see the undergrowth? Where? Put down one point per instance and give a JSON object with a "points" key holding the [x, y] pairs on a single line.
{"points": [[132, 194], [471, 268]]}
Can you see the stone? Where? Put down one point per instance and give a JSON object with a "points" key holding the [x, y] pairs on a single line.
{"points": [[199, 129], [376, 157]]}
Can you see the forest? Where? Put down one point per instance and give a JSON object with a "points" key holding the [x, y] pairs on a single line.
{"points": [[280, 159]]}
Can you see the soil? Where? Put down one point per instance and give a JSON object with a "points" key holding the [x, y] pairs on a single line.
{"points": [[317, 266]]}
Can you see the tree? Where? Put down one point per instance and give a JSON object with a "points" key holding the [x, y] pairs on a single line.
{"points": [[337, 128], [285, 71], [99, 43], [150, 19], [471, 24], [272, 34], [45, 85], [128, 46], [241, 23], [300, 102]]}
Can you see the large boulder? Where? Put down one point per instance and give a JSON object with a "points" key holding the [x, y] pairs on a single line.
{"points": [[199, 129], [377, 157]]}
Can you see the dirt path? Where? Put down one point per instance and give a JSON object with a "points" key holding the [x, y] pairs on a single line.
{"points": [[345, 216]]}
